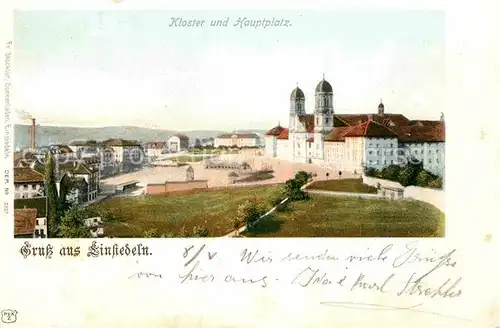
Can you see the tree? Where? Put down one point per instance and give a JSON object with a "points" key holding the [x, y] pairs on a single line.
{"points": [[67, 186], [51, 192], [73, 224], [408, 174], [293, 191], [302, 177]]}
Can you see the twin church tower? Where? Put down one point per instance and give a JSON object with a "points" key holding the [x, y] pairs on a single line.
{"points": [[323, 109]]}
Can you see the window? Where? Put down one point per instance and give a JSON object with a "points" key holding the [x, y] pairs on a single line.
{"points": [[34, 186], [25, 186], [370, 152], [437, 160], [392, 145], [298, 145], [430, 160], [392, 162], [36, 222], [378, 152], [377, 145], [391, 152], [430, 151]]}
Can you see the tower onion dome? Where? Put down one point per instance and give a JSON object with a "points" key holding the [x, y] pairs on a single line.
{"points": [[297, 93], [324, 86]]}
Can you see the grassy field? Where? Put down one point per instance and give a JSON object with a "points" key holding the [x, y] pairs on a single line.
{"points": [[323, 216], [212, 209], [344, 185]]}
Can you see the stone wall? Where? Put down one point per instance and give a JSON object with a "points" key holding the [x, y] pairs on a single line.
{"points": [[171, 186], [434, 197]]}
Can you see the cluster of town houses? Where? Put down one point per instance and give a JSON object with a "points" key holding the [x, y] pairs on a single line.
{"points": [[86, 163], [354, 142]]}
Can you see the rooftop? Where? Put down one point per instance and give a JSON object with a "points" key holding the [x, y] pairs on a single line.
{"points": [[27, 174], [24, 221]]}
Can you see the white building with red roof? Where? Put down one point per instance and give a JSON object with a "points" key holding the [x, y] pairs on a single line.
{"points": [[351, 142]]}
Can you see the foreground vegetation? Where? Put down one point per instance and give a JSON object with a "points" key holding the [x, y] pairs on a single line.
{"points": [[323, 216], [199, 213], [343, 185], [411, 174]]}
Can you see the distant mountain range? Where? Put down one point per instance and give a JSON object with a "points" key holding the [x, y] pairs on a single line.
{"points": [[46, 135]]}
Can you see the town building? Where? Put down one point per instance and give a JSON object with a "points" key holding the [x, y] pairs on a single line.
{"points": [[352, 142], [128, 155], [237, 139], [155, 149], [178, 143], [86, 179], [28, 183], [30, 217]]}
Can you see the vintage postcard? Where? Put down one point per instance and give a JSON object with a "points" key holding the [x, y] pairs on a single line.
{"points": [[139, 143]]}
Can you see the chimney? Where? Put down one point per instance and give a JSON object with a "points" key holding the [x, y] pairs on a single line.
{"points": [[33, 134]]}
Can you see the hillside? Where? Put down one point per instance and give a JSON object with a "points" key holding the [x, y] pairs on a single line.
{"points": [[46, 135]]}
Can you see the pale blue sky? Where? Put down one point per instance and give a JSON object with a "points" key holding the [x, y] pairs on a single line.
{"points": [[122, 68]]}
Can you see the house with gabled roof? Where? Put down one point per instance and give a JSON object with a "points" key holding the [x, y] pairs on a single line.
{"points": [[352, 142], [30, 217], [79, 170], [28, 183]]}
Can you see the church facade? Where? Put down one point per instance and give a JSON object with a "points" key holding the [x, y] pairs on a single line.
{"points": [[352, 142]]}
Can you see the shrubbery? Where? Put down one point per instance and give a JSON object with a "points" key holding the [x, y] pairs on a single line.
{"points": [[411, 174]]}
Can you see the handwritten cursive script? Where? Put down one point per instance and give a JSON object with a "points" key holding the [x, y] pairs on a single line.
{"points": [[140, 275]]}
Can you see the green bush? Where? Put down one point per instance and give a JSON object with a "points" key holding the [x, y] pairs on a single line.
{"points": [[436, 183], [390, 172], [371, 172], [277, 198], [423, 179], [249, 212]]}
